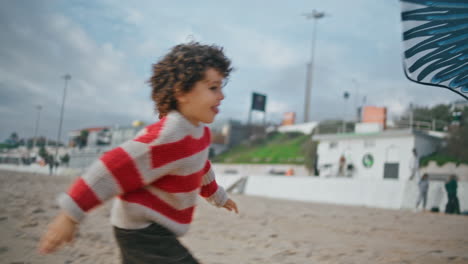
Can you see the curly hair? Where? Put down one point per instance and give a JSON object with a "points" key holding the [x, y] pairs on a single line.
{"points": [[178, 71]]}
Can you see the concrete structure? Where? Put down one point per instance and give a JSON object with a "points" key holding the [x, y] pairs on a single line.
{"points": [[305, 128], [373, 156], [390, 194]]}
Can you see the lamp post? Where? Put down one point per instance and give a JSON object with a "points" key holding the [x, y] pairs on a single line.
{"points": [[346, 97], [66, 77], [36, 128], [315, 15]]}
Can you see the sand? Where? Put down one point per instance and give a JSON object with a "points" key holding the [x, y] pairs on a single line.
{"points": [[265, 231]]}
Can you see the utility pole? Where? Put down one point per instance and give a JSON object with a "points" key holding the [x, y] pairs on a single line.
{"points": [[36, 128], [66, 77], [315, 15]]}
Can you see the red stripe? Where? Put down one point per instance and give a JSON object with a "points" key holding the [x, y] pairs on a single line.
{"points": [[146, 198], [152, 132], [188, 146], [123, 168], [177, 183], [84, 196], [209, 189]]}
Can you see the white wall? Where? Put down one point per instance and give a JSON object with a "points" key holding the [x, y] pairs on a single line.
{"points": [[258, 169], [373, 193], [396, 149], [391, 194]]}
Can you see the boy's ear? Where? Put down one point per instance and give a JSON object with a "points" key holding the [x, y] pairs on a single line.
{"points": [[181, 98]]}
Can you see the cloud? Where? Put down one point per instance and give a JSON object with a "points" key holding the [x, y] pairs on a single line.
{"points": [[40, 48], [108, 49]]}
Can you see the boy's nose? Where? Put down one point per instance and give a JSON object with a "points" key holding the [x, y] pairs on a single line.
{"points": [[221, 97]]}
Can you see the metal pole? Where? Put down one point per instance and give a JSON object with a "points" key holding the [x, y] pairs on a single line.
{"points": [[356, 100], [39, 108], [411, 116], [315, 15], [67, 77]]}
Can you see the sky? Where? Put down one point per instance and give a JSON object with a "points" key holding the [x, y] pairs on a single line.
{"points": [[108, 48]]}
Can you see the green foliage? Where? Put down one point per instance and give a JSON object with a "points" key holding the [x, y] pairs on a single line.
{"points": [[275, 148], [65, 158], [457, 145], [83, 139], [43, 153], [441, 159]]}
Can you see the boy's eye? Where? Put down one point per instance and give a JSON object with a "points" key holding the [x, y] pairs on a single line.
{"points": [[213, 88]]}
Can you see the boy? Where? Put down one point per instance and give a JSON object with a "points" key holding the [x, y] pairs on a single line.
{"points": [[158, 175]]}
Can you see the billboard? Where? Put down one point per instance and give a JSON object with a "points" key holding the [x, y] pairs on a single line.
{"points": [[289, 118], [258, 102]]}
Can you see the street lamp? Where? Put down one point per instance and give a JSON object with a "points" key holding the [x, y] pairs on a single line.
{"points": [[66, 77], [315, 15], [39, 108], [346, 97]]}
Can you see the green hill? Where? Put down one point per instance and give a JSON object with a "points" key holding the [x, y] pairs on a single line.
{"points": [[277, 147]]}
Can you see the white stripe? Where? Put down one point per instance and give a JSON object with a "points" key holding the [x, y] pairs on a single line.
{"points": [[135, 216], [67, 204], [101, 181], [208, 177], [183, 166], [175, 129], [179, 201]]}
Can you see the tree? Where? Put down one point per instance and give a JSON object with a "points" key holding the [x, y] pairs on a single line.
{"points": [[457, 145], [43, 153], [65, 159], [83, 138]]}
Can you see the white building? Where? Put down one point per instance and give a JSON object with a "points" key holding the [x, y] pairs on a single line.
{"points": [[373, 155]]}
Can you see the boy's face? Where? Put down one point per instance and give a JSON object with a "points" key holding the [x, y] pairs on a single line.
{"points": [[201, 104]]}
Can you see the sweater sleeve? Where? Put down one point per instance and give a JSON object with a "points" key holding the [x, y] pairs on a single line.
{"points": [[211, 191], [121, 170]]}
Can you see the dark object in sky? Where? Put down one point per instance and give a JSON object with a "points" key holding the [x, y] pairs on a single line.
{"points": [[435, 37], [258, 102], [346, 95]]}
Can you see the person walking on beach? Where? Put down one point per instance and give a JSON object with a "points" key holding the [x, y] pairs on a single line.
{"points": [[158, 175], [423, 188], [414, 165], [453, 205], [341, 165]]}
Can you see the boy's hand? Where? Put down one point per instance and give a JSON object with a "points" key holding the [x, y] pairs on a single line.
{"points": [[60, 231], [231, 205]]}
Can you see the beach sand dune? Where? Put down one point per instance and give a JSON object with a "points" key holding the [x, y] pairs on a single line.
{"points": [[265, 231]]}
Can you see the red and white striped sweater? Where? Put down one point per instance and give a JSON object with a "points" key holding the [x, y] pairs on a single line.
{"points": [[156, 177]]}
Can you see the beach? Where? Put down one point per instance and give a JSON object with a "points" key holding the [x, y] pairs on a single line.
{"points": [[265, 231]]}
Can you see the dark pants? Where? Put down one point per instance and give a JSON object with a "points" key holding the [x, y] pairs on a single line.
{"points": [[153, 244], [453, 205]]}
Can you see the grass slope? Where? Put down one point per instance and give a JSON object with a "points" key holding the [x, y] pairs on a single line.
{"points": [[276, 148]]}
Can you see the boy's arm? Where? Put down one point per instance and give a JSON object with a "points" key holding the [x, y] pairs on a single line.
{"points": [[121, 170], [210, 190]]}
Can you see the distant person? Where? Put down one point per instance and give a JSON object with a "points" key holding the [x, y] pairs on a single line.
{"points": [[342, 164], [51, 163], [423, 188], [159, 174], [453, 205], [414, 165]]}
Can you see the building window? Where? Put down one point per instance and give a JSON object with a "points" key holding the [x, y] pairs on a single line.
{"points": [[369, 143], [333, 144], [391, 170]]}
